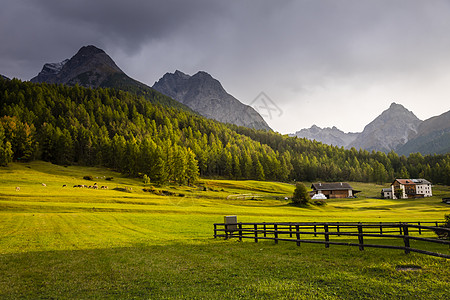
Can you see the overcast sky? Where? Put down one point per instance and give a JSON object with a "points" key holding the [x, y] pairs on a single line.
{"points": [[325, 62]]}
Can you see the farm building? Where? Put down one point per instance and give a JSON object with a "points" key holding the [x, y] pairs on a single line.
{"points": [[408, 188], [333, 190], [387, 193]]}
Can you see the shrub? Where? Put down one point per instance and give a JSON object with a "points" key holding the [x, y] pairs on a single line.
{"points": [[443, 234], [167, 193], [109, 178], [301, 195], [88, 177], [146, 179], [125, 189], [319, 202]]}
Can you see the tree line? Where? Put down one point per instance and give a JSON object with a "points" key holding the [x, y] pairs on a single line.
{"points": [[137, 136]]}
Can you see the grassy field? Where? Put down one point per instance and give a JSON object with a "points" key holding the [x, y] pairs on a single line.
{"points": [[62, 242]]}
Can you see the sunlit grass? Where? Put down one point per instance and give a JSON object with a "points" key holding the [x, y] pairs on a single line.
{"points": [[65, 242]]}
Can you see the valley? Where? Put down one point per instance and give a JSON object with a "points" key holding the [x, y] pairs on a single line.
{"points": [[84, 243]]}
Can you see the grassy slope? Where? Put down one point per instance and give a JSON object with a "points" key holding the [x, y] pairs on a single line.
{"points": [[80, 243]]}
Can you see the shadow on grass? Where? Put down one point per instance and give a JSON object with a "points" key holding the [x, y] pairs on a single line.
{"points": [[219, 269]]}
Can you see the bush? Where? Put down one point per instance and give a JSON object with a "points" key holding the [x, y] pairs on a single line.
{"points": [[125, 189], [88, 177], [146, 179], [444, 234], [109, 178], [301, 195], [319, 202]]}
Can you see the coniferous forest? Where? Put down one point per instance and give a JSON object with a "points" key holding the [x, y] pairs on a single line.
{"points": [[139, 135]]}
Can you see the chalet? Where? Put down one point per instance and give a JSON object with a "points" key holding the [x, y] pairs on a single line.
{"points": [[408, 188], [333, 190]]}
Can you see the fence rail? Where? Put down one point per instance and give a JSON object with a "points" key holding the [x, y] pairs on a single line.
{"points": [[322, 233]]}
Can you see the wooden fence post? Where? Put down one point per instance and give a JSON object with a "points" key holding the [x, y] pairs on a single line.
{"points": [[215, 231], [240, 232], [360, 237], [297, 235], [420, 229], [337, 229], [406, 238], [256, 233], [315, 229], [275, 229], [400, 227], [327, 238], [290, 231], [264, 227], [381, 228]]}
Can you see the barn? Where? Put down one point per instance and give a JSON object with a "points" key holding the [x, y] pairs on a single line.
{"points": [[333, 190]]}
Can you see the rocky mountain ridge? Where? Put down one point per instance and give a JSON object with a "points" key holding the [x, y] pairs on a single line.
{"points": [[206, 95], [433, 136], [392, 128], [396, 129], [327, 135]]}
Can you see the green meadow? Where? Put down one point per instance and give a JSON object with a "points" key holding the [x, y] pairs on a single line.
{"points": [[138, 241]]}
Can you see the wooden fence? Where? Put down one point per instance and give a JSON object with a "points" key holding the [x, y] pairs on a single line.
{"points": [[340, 232]]}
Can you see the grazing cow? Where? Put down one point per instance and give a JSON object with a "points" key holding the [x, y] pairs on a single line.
{"points": [[17, 188], [64, 185], [104, 187], [43, 184]]}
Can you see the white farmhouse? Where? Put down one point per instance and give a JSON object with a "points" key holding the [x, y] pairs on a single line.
{"points": [[408, 188]]}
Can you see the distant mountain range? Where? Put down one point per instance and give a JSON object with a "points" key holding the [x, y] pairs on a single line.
{"points": [[205, 95], [395, 129], [92, 67], [330, 136]]}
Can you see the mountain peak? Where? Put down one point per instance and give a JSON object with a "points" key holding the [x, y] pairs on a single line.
{"points": [[388, 131], [89, 67], [180, 74], [206, 95], [89, 50], [394, 105]]}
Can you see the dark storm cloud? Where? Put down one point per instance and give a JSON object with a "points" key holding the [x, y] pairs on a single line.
{"points": [[35, 30], [132, 22]]}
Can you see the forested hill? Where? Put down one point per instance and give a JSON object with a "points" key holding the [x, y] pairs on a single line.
{"points": [[75, 125]]}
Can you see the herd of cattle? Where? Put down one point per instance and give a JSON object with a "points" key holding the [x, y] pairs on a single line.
{"points": [[95, 186]]}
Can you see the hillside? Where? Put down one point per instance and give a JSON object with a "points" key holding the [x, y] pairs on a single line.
{"points": [[205, 95], [433, 136], [106, 127], [63, 242]]}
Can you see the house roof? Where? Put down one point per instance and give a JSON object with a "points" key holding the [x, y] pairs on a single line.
{"points": [[331, 186], [412, 181], [421, 181], [404, 181]]}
